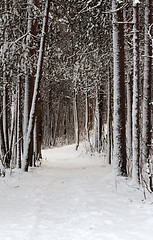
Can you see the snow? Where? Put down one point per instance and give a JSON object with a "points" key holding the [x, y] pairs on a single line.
{"points": [[72, 196], [135, 2]]}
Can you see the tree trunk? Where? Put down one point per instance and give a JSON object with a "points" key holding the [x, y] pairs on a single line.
{"points": [[119, 92], [2, 141], [76, 121], [19, 123], [109, 123], [135, 108], [146, 132], [75, 106], [28, 91], [129, 124], [5, 123], [96, 140], [88, 147], [101, 114], [36, 87]]}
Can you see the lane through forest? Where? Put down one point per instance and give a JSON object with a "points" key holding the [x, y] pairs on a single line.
{"points": [[72, 197]]}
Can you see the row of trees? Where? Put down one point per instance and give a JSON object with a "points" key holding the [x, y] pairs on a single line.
{"points": [[95, 84], [138, 138], [22, 51]]}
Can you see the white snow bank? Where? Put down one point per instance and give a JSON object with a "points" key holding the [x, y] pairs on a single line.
{"points": [[72, 197]]}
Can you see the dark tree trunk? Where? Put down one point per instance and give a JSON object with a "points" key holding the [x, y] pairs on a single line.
{"points": [[36, 88], [119, 91], [5, 124]]}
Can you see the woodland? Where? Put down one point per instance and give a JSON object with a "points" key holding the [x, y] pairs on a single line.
{"points": [[73, 71]]}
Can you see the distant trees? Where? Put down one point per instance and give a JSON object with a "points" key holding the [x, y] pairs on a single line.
{"points": [[77, 61]]}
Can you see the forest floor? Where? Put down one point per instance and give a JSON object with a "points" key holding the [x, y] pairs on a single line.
{"points": [[72, 196]]}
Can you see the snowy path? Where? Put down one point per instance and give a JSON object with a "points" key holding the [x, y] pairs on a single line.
{"points": [[72, 197]]}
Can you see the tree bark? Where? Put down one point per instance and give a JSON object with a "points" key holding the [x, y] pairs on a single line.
{"points": [[119, 156], [2, 141], [146, 132], [36, 87], [5, 123], [88, 147], [129, 124], [76, 121], [19, 123], [136, 100], [75, 106], [96, 123], [109, 123]]}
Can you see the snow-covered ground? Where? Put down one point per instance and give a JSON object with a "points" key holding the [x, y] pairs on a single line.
{"points": [[72, 197]]}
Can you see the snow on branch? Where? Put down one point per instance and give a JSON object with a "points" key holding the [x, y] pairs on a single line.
{"points": [[88, 8], [116, 10], [135, 2], [149, 32]]}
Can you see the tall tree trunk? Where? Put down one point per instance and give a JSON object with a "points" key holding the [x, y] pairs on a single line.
{"points": [[147, 85], [146, 132], [88, 147], [101, 114], [96, 140], [37, 135], [135, 108], [2, 141], [75, 106], [19, 124], [129, 123], [29, 80], [36, 87], [119, 92], [28, 93], [56, 116], [5, 123], [76, 121], [109, 123], [35, 143]]}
